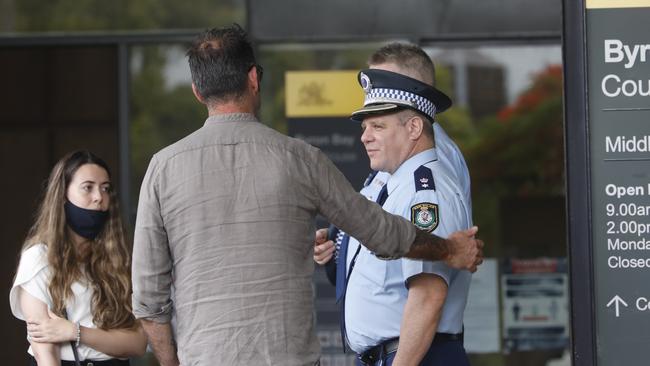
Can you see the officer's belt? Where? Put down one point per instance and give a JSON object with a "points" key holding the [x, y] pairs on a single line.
{"points": [[377, 352]]}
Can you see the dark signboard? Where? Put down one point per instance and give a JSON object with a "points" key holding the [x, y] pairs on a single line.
{"points": [[339, 139], [607, 71], [618, 41]]}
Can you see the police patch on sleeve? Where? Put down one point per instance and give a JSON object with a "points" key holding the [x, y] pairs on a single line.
{"points": [[425, 216]]}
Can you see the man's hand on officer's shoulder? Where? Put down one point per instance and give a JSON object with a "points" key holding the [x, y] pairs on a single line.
{"points": [[465, 250], [323, 248]]}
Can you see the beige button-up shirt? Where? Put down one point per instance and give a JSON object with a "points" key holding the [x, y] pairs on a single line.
{"points": [[224, 241]]}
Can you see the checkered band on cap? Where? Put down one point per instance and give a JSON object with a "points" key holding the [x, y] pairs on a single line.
{"points": [[338, 240], [384, 95]]}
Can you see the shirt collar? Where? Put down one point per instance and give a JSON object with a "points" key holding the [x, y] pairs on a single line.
{"points": [[230, 117], [405, 171]]}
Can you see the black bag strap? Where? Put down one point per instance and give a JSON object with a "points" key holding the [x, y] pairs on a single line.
{"points": [[73, 344]]}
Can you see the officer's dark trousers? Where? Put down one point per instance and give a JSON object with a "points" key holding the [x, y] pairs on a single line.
{"points": [[449, 353]]}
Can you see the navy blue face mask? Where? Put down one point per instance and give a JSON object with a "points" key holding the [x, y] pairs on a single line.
{"points": [[86, 223]]}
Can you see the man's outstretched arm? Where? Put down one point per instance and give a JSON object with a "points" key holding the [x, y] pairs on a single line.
{"points": [[387, 235], [462, 250]]}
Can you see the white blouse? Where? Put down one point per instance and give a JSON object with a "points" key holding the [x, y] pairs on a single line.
{"points": [[34, 277]]}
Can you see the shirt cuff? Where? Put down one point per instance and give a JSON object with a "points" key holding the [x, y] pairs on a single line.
{"points": [[158, 314]]}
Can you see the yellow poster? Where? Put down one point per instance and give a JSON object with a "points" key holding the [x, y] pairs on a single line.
{"points": [[604, 4], [322, 93]]}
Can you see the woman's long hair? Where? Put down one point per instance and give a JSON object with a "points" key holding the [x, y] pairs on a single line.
{"points": [[106, 270]]}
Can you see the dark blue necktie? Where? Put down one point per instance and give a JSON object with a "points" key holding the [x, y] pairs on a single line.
{"points": [[341, 276], [383, 194]]}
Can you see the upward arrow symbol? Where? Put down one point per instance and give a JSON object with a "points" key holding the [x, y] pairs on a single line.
{"points": [[617, 301]]}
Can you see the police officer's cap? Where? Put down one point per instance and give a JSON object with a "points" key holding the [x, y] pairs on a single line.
{"points": [[388, 91]]}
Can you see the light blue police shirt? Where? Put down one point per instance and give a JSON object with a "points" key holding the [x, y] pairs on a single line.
{"points": [[376, 292], [450, 156]]}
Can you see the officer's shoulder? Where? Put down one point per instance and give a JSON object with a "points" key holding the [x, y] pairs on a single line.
{"points": [[423, 179]]}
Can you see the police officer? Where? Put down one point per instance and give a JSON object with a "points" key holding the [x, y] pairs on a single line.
{"points": [[392, 309], [411, 60]]}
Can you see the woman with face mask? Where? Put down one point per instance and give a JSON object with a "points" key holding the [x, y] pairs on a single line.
{"points": [[73, 286]]}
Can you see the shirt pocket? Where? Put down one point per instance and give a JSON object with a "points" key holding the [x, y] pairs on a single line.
{"points": [[370, 268]]}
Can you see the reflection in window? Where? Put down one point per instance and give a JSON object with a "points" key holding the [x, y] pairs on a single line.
{"points": [[163, 108], [507, 119]]}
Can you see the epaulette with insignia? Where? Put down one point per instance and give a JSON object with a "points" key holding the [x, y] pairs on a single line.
{"points": [[371, 176], [424, 179]]}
